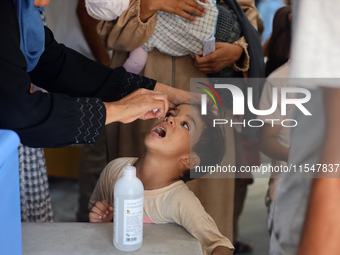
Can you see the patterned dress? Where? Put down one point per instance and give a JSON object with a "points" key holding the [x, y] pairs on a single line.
{"points": [[35, 200]]}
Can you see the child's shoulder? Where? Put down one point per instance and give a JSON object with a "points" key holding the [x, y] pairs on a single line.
{"points": [[121, 162], [117, 164], [183, 196]]}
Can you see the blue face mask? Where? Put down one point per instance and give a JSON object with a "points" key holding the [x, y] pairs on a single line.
{"points": [[32, 34]]}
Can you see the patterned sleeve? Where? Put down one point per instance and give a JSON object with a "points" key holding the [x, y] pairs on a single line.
{"points": [[133, 82], [91, 119]]}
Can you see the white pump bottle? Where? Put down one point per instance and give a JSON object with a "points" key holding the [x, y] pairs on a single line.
{"points": [[128, 211]]}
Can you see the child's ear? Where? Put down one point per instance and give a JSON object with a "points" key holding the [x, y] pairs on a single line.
{"points": [[192, 161]]}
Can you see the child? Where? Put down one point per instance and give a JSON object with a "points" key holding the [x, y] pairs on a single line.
{"points": [[174, 35], [163, 168]]}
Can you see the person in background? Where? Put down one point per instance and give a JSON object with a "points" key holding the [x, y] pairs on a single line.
{"points": [[275, 139], [247, 154], [174, 35], [278, 48], [267, 9], [305, 217]]}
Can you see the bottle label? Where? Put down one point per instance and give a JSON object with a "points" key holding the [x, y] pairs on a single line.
{"points": [[133, 221], [115, 221]]}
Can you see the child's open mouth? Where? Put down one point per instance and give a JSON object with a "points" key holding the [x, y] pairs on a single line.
{"points": [[159, 131]]}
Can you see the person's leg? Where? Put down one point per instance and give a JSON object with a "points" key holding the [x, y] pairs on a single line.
{"points": [[239, 199], [35, 197], [243, 158], [136, 61]]}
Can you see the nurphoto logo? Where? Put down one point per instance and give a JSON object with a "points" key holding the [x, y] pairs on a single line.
{"points": [[281, 97]]}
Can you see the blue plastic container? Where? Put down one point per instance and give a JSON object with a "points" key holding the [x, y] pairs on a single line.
{"points": [[10, 216]]}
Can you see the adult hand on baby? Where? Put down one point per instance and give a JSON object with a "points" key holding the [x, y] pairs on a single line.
{"points": [[101, 212], [137, 105], [176, 96], [182, 8], [187, 9], [225, 54]]}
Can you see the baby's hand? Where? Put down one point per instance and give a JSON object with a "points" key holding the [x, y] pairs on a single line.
{"points": [[101, 212]]}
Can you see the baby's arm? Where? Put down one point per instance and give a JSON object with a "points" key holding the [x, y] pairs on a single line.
{"points": [[136, 61], [101, 212]]}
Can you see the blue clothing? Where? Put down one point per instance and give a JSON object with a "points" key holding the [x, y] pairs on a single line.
{"points": [[267, 10], [32, 34]]}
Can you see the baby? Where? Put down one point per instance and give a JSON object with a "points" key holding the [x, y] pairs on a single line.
{"points": [[175, 145], [174, 35]]}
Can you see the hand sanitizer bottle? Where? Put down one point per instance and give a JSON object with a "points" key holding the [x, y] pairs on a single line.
{"points": [[128, 211]]}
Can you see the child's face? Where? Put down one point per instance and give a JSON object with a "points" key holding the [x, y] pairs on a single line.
{"points": [[170, 136]]}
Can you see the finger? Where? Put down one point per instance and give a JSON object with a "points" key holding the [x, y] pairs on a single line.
{"points": [[105, 203], [162, 109], [99, 208], [206, 65], [208, 59], [161, 103], [197, 9], [193, 10], [94, 217], [186, 15], [205, 61], [97, 211], [104, 206], [197, 58], [206, 70]]}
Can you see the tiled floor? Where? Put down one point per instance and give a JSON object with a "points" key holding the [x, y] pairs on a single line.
{"points": [[64, 194]]}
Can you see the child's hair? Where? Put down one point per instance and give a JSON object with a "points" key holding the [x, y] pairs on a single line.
{"points": [[211, 146], [278, 47]]}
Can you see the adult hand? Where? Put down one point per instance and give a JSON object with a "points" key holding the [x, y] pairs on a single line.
{"points": [[225, 54], [176, 96], [187, 9], [137, 105]]}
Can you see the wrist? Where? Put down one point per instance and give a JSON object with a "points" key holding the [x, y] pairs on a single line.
{"points": [[147, 9], [241, 64], [112, 112], [176, 96], [238, 51]]}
